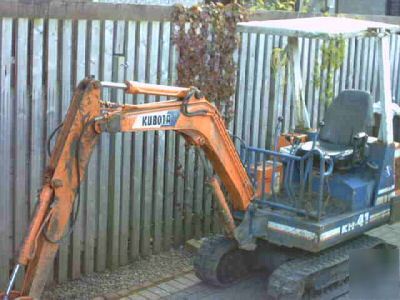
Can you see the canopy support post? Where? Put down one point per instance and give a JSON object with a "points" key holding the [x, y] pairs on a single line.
{"points": [[386, 126]]}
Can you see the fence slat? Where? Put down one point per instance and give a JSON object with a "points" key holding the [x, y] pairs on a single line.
{"points": [[159, 160], [114, 201], [145, 207], [66, 58], [188, 194], [80, 72], [6, 120], [265, 93], [136, 180], [93, 171], [106, 74], [240, 87], [21, 134], [258, 73], [126, 150]]}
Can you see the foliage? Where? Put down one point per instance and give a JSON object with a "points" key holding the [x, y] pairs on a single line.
{"points": [[332, 59], [286, 5], [206, 39], [279, 59]]}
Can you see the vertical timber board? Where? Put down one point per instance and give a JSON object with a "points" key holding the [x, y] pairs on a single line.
{"points": [[265, 87], [364, 63], [323, 99], [288, 100], [396, 83], [179, 189], [51, 71], [92, 192], [21, 129], [115, 180], [184, 192], [343, 68], [119, 38], [207, 205], [179, 165], [104, 143], [350, 69], [77, 234], [136, 160], [386, 124], [309, 84], [52, 108], [198, 197], [370, 64], [375, 77], [129, 53], [357, 62], [145, 215], [316, 85], [66, 95], [336, 82], [6, 119], [249, 87], [169, 172], [240, 87], [159, 158], [149, 139], [396, 69], [276, 95], [304, 60], [188, 194], [392, 46], [37, 117], [258, 73], [231, 109]]}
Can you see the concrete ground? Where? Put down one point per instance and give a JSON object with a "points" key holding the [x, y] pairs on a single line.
{"points": [[189, 287]]}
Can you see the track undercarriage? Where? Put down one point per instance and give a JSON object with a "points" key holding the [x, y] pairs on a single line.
{"points": [[293, 274]]}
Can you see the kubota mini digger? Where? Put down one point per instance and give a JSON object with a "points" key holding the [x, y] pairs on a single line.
{"points": [[298, 209]]}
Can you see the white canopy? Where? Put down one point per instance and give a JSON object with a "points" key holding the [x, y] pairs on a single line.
{"points": [[318, 27]]}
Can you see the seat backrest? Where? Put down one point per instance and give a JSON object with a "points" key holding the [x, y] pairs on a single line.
{"points": [[351, 112]]}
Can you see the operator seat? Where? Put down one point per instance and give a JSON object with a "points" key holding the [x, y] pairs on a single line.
{"points": [[350, 113]]}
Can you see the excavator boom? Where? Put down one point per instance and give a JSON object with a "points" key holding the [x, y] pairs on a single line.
{"points": [[190, 115]]}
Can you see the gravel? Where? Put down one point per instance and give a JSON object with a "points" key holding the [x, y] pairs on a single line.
{"points": [[143, 270]]}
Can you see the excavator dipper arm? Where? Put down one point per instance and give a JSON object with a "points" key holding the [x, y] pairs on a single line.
{"points": [[87, 117]]}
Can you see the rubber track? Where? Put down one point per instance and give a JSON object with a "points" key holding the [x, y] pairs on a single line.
{"points": [[208, 257], [300, 278]]}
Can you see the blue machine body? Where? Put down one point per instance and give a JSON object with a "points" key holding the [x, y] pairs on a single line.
{"points": [[342, 205]]}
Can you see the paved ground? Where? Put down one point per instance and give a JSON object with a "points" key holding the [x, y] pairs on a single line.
{"points": [[189, 287]]}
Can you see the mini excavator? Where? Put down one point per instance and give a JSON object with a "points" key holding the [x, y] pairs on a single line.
{"points": [[297, 210]]}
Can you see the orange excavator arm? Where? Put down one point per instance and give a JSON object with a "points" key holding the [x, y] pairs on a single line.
{"points": [[191, 115]]}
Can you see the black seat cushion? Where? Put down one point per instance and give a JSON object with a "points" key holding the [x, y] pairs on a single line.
{"points": [[350, 113]]}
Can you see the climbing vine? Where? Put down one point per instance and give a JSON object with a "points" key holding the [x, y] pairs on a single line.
{"points": [[206, 39], [287, 5], [332, 51], [332, 57]]}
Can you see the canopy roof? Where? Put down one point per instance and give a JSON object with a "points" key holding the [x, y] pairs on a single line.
{"points": [[318, 27]]}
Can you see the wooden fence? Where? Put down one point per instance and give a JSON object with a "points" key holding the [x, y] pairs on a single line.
{"points": [[144, 192]]}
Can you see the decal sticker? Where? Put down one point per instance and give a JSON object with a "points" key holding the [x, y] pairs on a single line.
{"points": [[362, 220], [157, 119], [330, 234], [308, 235]]}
